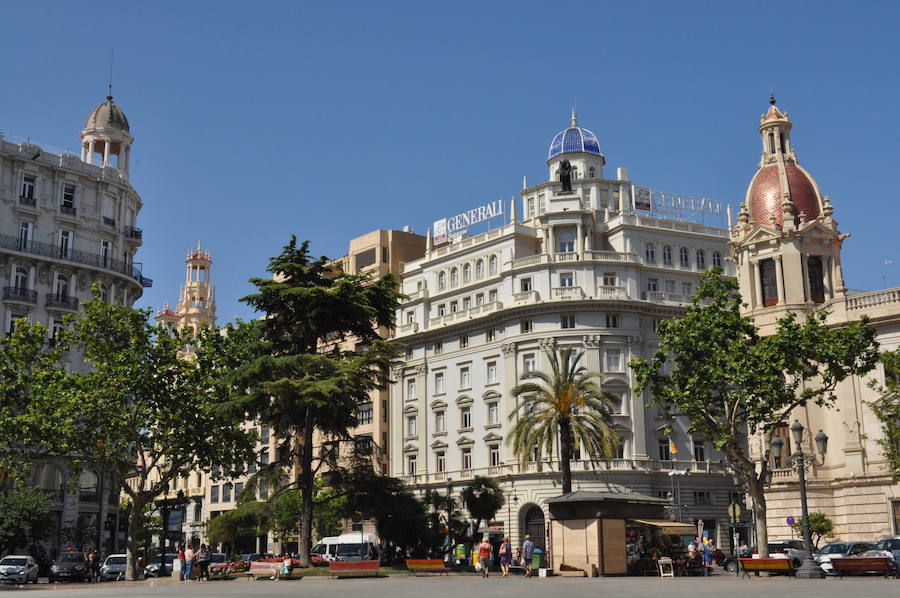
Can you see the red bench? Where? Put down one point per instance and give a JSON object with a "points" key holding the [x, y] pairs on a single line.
{"points": [[261, 569], [426, 566], [770, 565], [857, 564], [353, 568]]}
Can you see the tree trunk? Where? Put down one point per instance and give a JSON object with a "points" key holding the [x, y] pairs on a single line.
{"points": [[131, 564], [758, 495], [565, 455], [306, 496]]}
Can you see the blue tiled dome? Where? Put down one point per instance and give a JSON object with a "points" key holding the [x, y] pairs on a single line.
{"points": [[574, 140]]}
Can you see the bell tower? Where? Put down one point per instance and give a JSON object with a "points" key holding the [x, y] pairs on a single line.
{"points": [[786, 244], [197, 303], [106, 138]]}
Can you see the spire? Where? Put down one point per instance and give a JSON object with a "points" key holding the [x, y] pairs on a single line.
{"points": [[772, 98], [109, 95], [574, 117]]}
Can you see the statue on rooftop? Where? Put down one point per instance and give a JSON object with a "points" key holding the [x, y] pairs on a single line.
{"points": [[564, 172]]}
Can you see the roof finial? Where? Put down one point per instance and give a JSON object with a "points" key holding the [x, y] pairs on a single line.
{"points": [[772, 97], [109, 95], [574, 114]]}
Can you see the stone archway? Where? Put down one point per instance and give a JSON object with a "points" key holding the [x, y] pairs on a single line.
{"points": [[535, 526]]}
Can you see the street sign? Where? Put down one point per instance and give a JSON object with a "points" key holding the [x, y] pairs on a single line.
{"points": [[790, 520], [734, 512]]}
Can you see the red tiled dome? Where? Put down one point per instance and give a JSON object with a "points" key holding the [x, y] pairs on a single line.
{"points": [[765, 195]]}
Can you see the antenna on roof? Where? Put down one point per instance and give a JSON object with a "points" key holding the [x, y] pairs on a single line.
{"points": [[771, 97], [109, 95]]}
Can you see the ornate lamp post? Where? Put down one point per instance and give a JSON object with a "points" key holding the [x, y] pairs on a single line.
{"points": [[800, 462]]}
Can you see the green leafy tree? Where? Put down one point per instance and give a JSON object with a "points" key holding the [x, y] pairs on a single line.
{"points": [[565, 403], [25, 517], [887, 410], [714, 368], [483, 498], [145, 414], [250, 517], [298, 379], [820, 526], [34, 395]]}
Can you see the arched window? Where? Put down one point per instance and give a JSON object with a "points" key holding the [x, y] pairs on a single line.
{"points": [[104, 293], [650, 253], [716, 259], [62, 285], [566, 242], [88, 485], [701, 259], [591, 171], [467, 273], [492, 264], [667, 255], [21, 280], [454, 277], [683, 257], [442, 281], [479, 269], [48, 478]]}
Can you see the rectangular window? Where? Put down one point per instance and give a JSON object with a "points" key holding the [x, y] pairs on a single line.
{"points": [[492, 372], [213, 494], [263, 490], [816, 276], [542, 207], [251, 468], [438, 347], [105, 253], [652, 284], [410, 388], [440, 421], [439, 383], [609, 279], [463, 341], [492, 296], [493, 413], [664, 454], [702, 497], [768, 282], [494, 455], [440, 461], [525, 326], [699, 451], [441, 309], [613, 360], [567, 321], [465, 414], [226, 493], [612, 320], [479, 299], [670, 286], [410, 317], [364, 446], [264, 435], [365, 259], [454, 307], [466, 455], [409, 352], [411, 465], [528, 362], [384, 255], [467, 302], [464, 381], [529, 207], [25, 230], [13, 317], [655, 324], [29, 182], [238, 490], [525, 285], [264, 457], [66, 241], [687, 289], [364, 415], [489, 335], [384, 411], [68, 197], [566, 279], [411, 425]]}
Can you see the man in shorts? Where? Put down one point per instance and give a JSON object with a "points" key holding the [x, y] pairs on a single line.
{"points": [[527, 555]]}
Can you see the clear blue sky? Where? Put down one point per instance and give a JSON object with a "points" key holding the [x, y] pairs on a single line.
{"points": [[255, 120]]}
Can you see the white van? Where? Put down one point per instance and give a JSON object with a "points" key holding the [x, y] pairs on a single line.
{"points": [[324, 550], [356, 546]]}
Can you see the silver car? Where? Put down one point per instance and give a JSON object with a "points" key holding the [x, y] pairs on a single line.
{"points": [[837, 550], [113, 568], [18, 569]]}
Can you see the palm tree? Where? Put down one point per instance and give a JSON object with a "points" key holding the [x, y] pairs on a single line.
{"points": [[566, 402]]}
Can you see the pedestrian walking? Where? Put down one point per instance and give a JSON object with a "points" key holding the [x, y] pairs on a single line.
{"points": [[485, 551], [527, 555], [89, 563], [95, 566], [505, 556], [181, 563], [189, 557], [202, 558]]}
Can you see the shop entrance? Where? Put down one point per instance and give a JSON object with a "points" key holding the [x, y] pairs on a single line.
{"points": [[534, 526]]}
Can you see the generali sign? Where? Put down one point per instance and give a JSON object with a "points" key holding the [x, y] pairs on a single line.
{"points": [[455, 225]]}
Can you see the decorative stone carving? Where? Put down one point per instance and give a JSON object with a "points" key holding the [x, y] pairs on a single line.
{"points": [[44, 275], [509, 349], [591, 340], [547, 344], [421, 369], [82, 283], [396, 372]]}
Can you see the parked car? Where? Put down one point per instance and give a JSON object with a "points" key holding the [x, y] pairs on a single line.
{"points": [[778, 549], [69, 566], [18, 569], [883, 547], [113, 568], [152, 568], [837, 550]]}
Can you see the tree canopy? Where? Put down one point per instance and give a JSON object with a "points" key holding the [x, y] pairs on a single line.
{"points": [[714, 368], [483, 497], [26, 517], [887, 409]]}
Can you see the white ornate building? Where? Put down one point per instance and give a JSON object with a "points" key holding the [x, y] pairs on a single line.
{"points": [[67, 222], [583, 269], [787, 248]]}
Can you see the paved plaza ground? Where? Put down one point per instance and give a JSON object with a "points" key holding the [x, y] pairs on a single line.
{"points": [[495, 587]]}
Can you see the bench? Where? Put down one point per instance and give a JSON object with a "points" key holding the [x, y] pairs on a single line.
{"points": [[427, 566], [261, 569], [877, 564], [354, 568], [770, 565]]}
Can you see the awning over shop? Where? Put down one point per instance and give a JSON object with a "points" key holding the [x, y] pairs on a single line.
{"points": [[672, 528]]}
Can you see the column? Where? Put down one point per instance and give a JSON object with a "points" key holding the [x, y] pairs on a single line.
{"points": [[826, 266], [806, 293], [757, 285], [106, 145], [73, 284], [32, 274], [551, 239], [12, 273], [90, 159], [579, 240], [639, 430], [779, 279]]}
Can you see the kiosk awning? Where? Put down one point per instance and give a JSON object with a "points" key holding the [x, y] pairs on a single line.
{"points": [[672, 528]]}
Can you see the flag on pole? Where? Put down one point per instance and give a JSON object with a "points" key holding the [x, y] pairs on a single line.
{"points": [[672, 448]]}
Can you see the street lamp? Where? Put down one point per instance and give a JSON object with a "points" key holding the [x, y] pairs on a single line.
{"points": [[676, 496], [800, 463], [511, 499]]}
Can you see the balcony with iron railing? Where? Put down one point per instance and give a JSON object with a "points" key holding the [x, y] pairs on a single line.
{"points": [[19, 294], [68, 210], [27, 201], [134, 233], [62, 301], [75, 256]]}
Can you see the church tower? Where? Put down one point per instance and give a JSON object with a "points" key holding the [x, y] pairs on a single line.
{"points": [[786, 243], [197, 300]]}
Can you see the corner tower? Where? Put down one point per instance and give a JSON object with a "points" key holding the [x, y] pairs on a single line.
{"points": [[106, 138], [197, 300], [581, 147], [786, 243]]}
